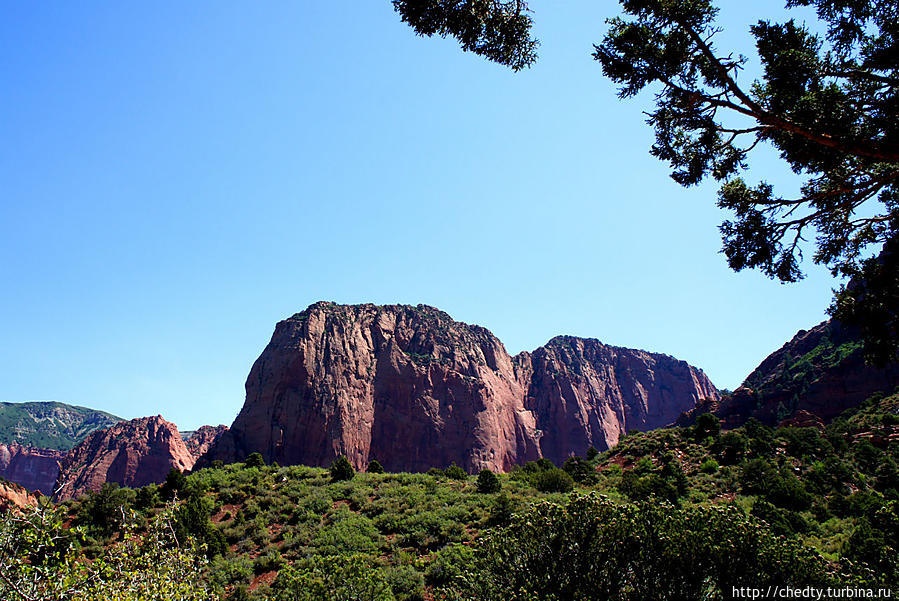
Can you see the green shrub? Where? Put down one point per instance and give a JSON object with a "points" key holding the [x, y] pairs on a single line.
{"points": [[580, 470], [175, 481], [781, 521], [454, 472], [488, 482], [348, 532], [228, 572], [102, 512], [374, 467], [709, 466], [706, 425], [40, 559], [341, 470], [255, 460], [269, 562], [449, 564], [406, 583], [593, 548], [336, 578], [553, 480], [502, 508]]}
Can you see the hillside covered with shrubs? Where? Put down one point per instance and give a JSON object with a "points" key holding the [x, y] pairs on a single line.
{"points": [[680, 513]]}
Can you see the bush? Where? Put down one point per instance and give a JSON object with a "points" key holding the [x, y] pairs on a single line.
{"points": [[579, 469], [707, 425], [374, 467], [406, 583], [553, 480], [40, 559], [593, 548], [336, 578], [709, 466], [454, 472], [502, 508], [731, 447], [781, 521], [269, 562], [255, 460], [449, 564], [103, 511], [488, 482], [341, 470], [175, 482]]}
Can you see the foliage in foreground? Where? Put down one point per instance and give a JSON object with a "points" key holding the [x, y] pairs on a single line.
{"points": [[595, 548], [816, 497], [41, 559]]}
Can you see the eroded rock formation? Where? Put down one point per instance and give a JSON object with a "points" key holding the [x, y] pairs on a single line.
{"points": [[134, 453], [820, 372], [34, 469], [13, 496], [413, 388], [199, 441]]}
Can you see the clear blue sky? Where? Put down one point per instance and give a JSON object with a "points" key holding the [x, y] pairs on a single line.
{"points": [[177, 177]]}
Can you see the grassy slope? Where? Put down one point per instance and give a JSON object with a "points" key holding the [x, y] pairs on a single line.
{"points": [[49, 424], [820, 487]]}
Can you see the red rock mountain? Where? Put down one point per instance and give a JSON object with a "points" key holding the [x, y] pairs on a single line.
{"points": [[414, 389], [134, 453], [820, 372], [34, 469], [199, 441], [13, 496]]}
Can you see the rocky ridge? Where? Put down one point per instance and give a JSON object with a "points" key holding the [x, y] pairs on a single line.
{"points": [[134, 454], [13, 496], [50, 424], [820, 372], [198, 441], [34, 469], [413, 388]]}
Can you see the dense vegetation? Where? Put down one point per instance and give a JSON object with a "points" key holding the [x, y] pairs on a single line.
{"points": [[50, 425], [672, 514]]}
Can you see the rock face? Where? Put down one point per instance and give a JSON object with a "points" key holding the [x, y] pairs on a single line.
{"points": [[135, 453], [13, 496], [199, 440], [820, 372], [34, 469], [585, 393], [414, 389]]}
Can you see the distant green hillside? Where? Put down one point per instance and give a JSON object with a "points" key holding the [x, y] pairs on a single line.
{"points": [[50, 425]]}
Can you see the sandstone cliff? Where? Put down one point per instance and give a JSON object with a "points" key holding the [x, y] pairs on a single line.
{"points": [[413, 388], [34, 469], [585, 393], [819, 372], [198, 441], [13, 496], [135, 453]]}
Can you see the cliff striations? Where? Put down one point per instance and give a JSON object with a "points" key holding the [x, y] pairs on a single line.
{"points": [[414, 389], [135, 453], [35, 469]]}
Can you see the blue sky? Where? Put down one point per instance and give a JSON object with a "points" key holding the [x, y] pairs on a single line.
{"points": [[176, 178]]}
